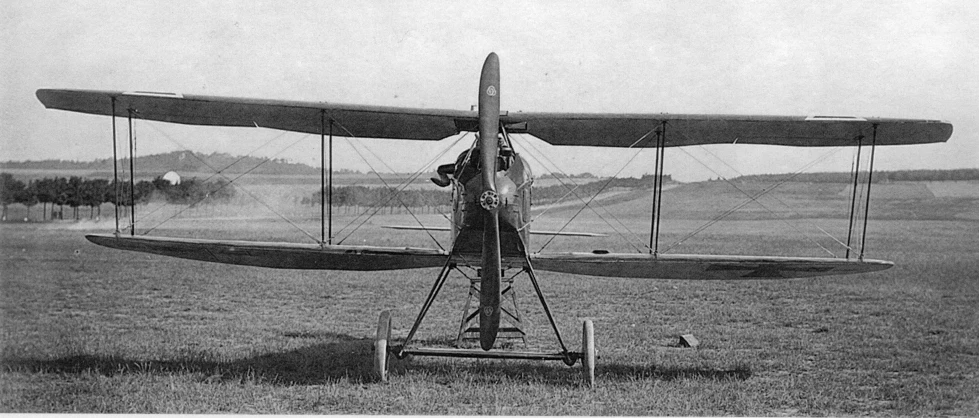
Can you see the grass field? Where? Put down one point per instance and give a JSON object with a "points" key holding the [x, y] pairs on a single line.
{"points": [[89, 329]]}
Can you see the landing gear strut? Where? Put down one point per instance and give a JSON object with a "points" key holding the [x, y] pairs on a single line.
{"points": [[383, 348]]}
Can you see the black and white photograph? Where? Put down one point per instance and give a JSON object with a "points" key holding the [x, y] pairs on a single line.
{"points": [[629, 208]]}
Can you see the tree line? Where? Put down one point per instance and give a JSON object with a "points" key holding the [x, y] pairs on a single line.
{"points": [[77, 192], [362, 196], [550, 194], [879, 176], [353, 196]]}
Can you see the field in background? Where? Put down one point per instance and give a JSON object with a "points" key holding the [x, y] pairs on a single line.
{"points": [[89, 329]]}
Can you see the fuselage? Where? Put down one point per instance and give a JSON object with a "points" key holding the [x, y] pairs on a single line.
{"points": [[513, 181]]}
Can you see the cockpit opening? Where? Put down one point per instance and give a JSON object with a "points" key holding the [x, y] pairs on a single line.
{"points": [[467, 164]]}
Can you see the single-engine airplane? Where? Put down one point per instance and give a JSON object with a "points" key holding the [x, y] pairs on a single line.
{"points": [[491, 194]]}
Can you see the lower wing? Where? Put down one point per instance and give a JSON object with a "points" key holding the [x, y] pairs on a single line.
{"points": [[532, 232], [368, 258], [279, 254], [701, 267]]}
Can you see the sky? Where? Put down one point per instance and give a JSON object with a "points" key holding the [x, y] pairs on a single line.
{"points": [[906, 59]]}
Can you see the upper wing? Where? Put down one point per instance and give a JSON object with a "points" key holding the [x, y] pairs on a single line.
{"points": [[307, 117], [610, 130], [624, 130], [279, 254], [701, 267]]}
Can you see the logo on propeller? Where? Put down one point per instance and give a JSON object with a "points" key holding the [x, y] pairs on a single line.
{"points": [[491, 91]]}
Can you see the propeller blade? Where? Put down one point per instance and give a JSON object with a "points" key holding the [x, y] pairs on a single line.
{"points": [[489, 284], [489, 127], [489, 119]]}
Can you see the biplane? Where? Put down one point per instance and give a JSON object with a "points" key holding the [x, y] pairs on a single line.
{"points": [[491, 195]]}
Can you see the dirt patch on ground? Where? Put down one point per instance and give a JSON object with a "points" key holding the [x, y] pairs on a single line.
{"points": [[954, 188]]}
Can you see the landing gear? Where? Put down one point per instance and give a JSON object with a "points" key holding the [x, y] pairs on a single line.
{"points": [[381, 346], [588, 352]]}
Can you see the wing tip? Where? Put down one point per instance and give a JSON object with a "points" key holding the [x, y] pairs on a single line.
{"points": [[44, 96]]}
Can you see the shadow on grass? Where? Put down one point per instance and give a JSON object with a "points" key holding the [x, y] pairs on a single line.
{"points": [[343, 358], [346, 358]]}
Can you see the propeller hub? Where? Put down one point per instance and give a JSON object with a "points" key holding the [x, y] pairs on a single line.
{"points": [[489, 200]]}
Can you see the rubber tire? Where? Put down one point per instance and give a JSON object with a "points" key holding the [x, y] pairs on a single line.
{"points": [[588, 352], [381, 346]]}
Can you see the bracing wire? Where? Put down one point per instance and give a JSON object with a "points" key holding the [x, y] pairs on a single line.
{"points": [[395, 190], [571, 191], [232, 181], [217, 172], [750, 199], [742, 191], [795, 212], [258, 199], [395, 193], [607, 182]]}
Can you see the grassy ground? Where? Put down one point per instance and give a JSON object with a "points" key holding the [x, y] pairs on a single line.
{"points": [[88, 329]]}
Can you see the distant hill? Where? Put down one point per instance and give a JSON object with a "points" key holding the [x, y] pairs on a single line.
{"points": [[194, 162], [879, 176], [180, 161]]}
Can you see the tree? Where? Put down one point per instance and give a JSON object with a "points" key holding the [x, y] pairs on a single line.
{"points": [[75, 194], [45, 194], [144, 191], [10, 190], [93, 194], [29, 196], [60, 192]]}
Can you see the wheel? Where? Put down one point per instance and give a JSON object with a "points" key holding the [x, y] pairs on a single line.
{"points": [[381, 346], [588, 351]]}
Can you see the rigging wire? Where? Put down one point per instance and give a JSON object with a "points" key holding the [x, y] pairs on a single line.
{"points": [[571, 191], [751, 199], [395, 194], [795, 212], [607, 182], [217, 172], [777, 215], [231, 181], [396, 190]]}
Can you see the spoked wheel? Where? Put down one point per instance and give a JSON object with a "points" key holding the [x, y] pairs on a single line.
{"points": [[381, 346], [588, 351]]}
